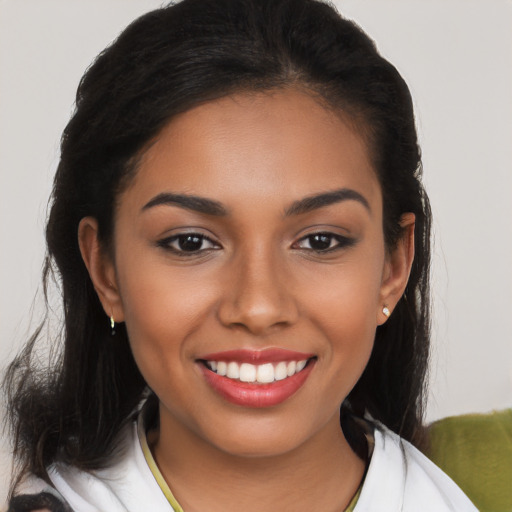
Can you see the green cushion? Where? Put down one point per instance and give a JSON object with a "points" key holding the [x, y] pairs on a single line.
{"points": [[475, 450]]}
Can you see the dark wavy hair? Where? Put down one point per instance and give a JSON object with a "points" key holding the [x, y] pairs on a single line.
{"points": [[165, 63]]}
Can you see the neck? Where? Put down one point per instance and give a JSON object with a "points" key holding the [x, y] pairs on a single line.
{"points": [[322, 473]]}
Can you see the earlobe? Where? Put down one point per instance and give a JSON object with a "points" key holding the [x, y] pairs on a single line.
{"points": [[101, 268], [397, 269]]}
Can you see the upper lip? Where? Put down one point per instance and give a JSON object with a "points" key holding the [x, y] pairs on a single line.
{"points": [[270, 355]]}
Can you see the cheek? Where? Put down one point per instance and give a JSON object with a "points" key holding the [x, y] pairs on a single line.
{"points": [[347, 296], [343, 304], [159, 319], [349, 325], [162, 307]]}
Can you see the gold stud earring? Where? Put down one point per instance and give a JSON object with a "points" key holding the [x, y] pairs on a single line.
{"points": [[386, 311]]}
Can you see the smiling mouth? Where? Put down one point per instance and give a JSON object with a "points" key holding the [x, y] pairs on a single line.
{"points": [[257, 378], [256, 373]]}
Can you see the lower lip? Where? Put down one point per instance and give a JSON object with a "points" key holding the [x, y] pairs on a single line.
{"points": [[256, 395]]}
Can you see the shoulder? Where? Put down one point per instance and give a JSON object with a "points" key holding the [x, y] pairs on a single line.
{"points": [[126, 484], [400, 477]]}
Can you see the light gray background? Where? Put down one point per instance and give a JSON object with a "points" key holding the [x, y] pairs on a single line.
{"points": [[456, 56]]}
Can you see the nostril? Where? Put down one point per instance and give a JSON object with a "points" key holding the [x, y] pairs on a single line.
{"points": [[258, 317]]}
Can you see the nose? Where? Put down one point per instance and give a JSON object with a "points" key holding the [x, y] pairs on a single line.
{"points": [[257, 296]]}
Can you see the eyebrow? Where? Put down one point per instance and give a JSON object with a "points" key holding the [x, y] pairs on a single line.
{"points": [[195, 203], [215, 208], [316, 201]]}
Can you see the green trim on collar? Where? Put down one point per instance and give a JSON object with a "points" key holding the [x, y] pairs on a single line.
{"points": [[352, 505], [160, 480]]}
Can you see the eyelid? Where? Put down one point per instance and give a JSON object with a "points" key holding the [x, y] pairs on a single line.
{"points": [[165, 243], [343, 242]]}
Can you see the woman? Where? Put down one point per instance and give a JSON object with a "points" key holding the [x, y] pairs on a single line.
{"points": [[242, 239]]}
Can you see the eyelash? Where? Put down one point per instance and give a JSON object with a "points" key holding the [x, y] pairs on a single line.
{"points": [[166, 244], [341, 243]]}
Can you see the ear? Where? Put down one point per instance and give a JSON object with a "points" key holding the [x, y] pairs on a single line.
{"points": [[101, 268], [397, 268]]}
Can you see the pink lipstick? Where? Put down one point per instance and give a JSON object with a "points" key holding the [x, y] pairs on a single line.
{"points": [[253, 378]]}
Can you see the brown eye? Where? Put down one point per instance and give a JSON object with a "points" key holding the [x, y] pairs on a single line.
{"points": [[324, 242], [320, 242], [191, 243]]}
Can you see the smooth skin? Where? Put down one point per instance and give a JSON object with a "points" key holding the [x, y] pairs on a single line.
{"points": [[255, 275]]}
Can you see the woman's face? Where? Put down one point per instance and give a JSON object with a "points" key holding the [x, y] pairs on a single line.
{"points": [[250, 243]]}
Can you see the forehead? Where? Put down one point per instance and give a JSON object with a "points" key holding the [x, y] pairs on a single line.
{"points": [[277, 145]]}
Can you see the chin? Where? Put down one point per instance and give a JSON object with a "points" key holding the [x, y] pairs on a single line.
{"points": [[261, 437]]}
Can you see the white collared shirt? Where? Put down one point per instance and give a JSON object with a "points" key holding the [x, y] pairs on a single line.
{"points": [[399, 479]]}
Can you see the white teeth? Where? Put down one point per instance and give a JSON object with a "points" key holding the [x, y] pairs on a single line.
{"points": [[247, 372], [265, 373], [262, 373], [300, 365], [280, 372], [233, 370], [290, 369], [222, 368]]}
